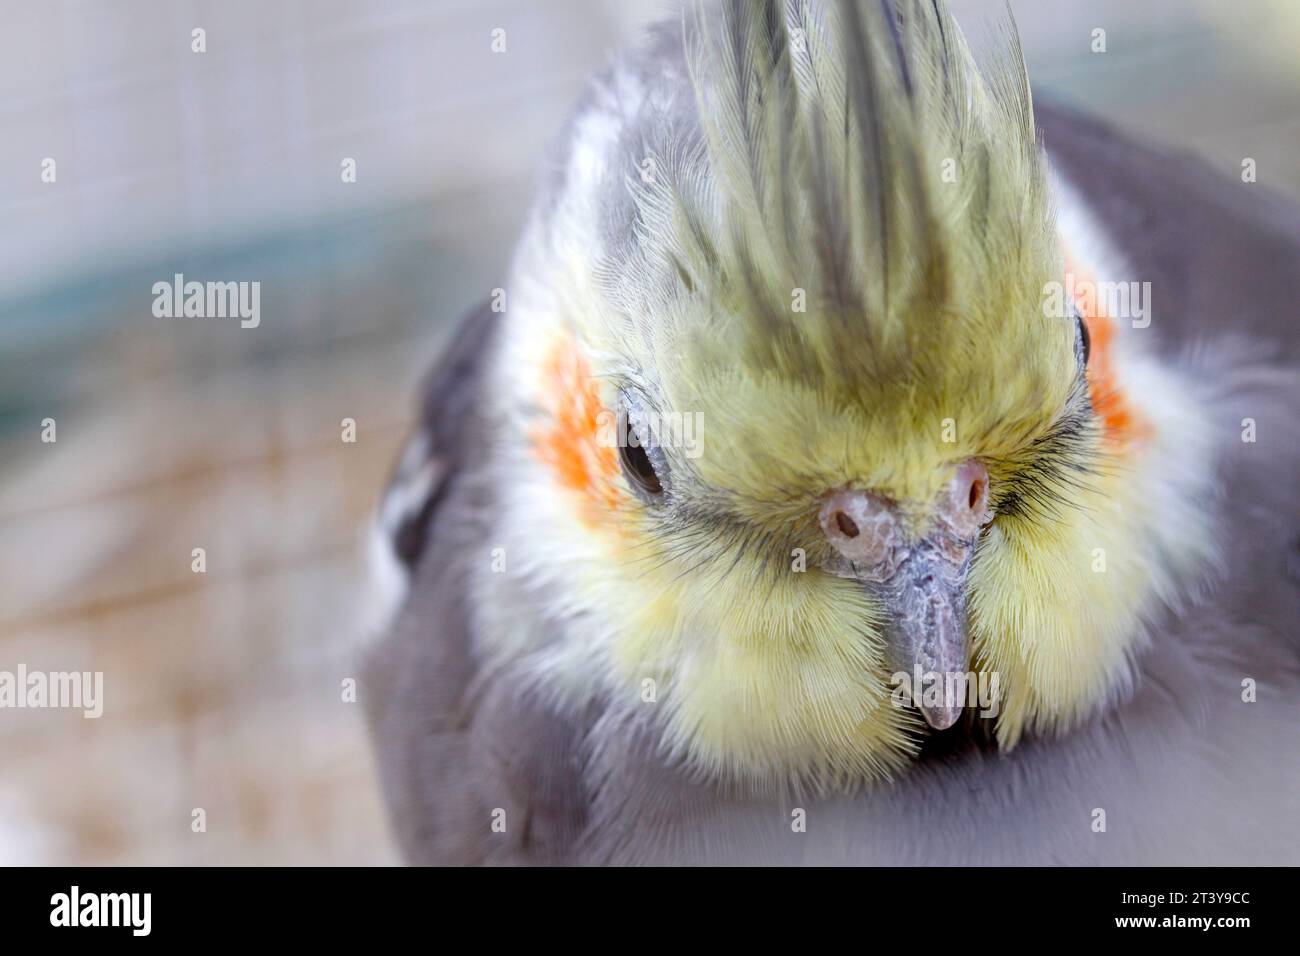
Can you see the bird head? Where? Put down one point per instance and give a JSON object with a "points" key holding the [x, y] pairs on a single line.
{"points": [[782, 414]]}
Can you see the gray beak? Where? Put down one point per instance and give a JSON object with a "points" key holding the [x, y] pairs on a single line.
{"points": [[921, 581], [927, 634]]}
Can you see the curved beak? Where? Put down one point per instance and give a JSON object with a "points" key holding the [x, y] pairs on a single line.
{"points": [[927, 634], [921, 581]]}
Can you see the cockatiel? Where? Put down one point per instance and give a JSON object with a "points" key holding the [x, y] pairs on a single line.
{"points": [[814, 388]]}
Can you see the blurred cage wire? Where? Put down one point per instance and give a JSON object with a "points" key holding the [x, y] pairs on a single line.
{"points": [[223, 690]]}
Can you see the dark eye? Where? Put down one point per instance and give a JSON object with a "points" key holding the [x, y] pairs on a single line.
{"points": [[1085, 342], [636, 463]]}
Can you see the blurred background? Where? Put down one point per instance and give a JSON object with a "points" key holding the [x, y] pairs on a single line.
{"points": [[223, 689]]}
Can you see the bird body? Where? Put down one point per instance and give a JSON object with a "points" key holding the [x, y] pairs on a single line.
{"points": [[813, 375]]}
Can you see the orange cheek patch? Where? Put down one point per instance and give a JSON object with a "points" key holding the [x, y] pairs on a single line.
{"points": [[1109, 401], [568, 441]]}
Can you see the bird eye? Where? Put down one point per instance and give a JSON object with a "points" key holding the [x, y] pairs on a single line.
{"points": [[635, 459], [1085, 341]]}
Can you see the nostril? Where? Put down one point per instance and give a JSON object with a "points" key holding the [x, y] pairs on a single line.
{"points": [[846, 525], [976, 494]]}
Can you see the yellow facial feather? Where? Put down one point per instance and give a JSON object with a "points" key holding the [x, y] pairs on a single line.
{"points": [[873, 342]]}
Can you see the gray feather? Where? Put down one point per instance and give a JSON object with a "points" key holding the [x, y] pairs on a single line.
{"points": [[1186, 771]]}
